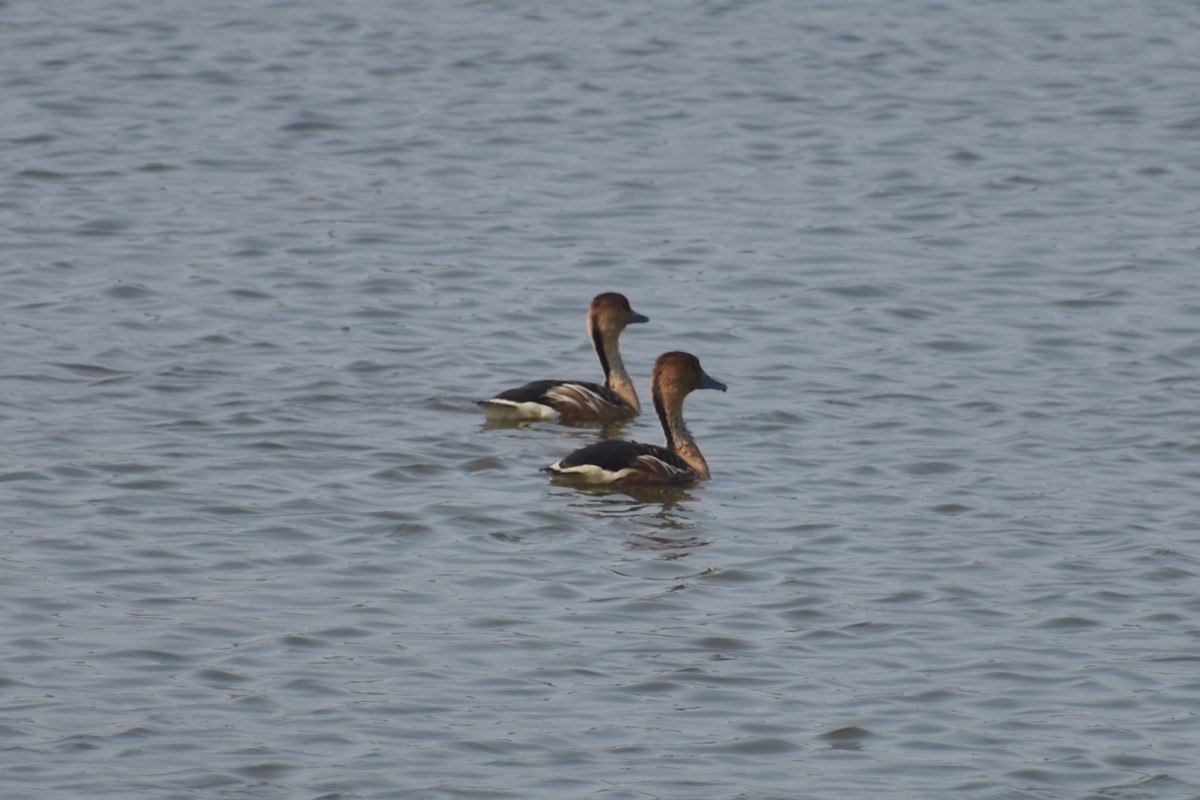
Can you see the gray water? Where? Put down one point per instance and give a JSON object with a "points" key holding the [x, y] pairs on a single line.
{"points": [[258, 260]]}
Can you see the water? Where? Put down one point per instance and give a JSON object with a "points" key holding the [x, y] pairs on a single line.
{"points": [[259, 260]]}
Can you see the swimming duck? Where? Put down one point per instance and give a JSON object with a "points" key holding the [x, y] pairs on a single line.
{"points": [[613, 462], [575, 402]]}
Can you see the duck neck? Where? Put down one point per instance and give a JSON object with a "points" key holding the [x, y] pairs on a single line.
{"points": [[679, 438], [615, 376]]}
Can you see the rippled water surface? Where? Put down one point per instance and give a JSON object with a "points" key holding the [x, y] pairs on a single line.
{"points": [[259, 260]]}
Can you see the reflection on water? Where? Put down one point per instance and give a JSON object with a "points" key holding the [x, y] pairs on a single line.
{"points": [[851, 737], [606, 500], [669, 548], [665, 513], [583, 431]]}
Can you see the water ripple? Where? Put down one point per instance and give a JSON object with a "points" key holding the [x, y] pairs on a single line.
{"points": [[261, 265]]}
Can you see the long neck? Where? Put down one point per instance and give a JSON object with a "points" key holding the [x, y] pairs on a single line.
{"points": [[670, 414], [615, 377]]}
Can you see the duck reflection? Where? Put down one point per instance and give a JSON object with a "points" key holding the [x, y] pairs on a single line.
{"points": [[671, 548], [607, 430], [665, 512]]}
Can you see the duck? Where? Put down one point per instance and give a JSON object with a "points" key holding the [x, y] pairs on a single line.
{"points": [[620, 463], [580, 402]]}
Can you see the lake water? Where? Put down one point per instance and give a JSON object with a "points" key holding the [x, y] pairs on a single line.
{"points": [[258, 260]]}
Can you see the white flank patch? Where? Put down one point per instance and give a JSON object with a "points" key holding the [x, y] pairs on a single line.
{"points": [[589, 472], [508, 411]]}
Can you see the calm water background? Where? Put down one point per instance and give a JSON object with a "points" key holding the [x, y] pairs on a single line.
{"points": [[259, 259]]}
